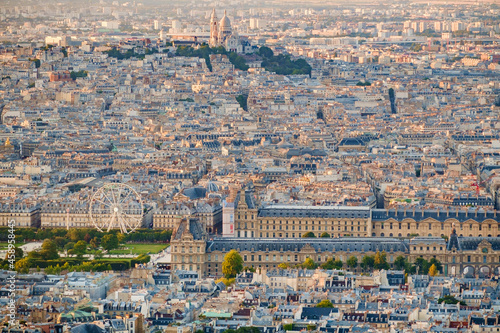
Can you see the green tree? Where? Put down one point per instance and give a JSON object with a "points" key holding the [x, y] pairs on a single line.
{"points": [[110, 242], [242, 100], [422, 265], [75, 75], [309, 264], [309, 234], [232, 264], [329, 264], [338, 264], [49, 250], [368, 262], [75, 234], [352, 262], [18, 254], [325, 235], [265, 52], [326, 303], [69, 246], [400, 263], [80, 248], [284, 265], [61, 241], [448, 299]]}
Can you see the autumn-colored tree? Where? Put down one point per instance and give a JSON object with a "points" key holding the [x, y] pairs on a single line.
{"points": [[284, 265], [433, 270], [380, 261], [87, 238], [326, 303], [23, 266], [94, 243]]}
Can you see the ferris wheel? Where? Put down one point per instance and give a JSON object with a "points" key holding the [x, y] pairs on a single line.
{"points": [[114, 206]]}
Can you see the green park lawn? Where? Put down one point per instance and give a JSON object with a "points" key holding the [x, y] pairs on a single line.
{"points": [[138, 249], [4, 246]]}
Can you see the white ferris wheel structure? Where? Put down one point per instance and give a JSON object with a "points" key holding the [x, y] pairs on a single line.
{"points": [[116, 206]]}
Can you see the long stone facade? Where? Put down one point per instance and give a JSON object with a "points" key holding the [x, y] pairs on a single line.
{"points": [[469, 256]]}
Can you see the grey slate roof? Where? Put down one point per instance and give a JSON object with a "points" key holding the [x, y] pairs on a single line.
{"points": [[472, 243], [314, 211], [461, 216], [361, 244]]}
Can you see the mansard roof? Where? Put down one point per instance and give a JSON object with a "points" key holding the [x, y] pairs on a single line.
{"points": [[472, 243], [354, 244], [315, 211], [442, 215]]}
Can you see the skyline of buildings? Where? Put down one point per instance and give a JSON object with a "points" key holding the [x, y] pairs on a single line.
{"points": [[349, 152]]}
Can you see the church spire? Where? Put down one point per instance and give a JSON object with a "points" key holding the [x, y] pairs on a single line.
{"points": [[214, 30], [213, 17]]}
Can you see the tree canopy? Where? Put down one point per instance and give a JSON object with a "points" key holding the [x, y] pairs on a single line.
{"points": [[331, 263], [232, 264], [433, 270], [110, 242], [448, 299], [309, 264], [49, 250], [352, 262], [368, 262], [326, 303]]}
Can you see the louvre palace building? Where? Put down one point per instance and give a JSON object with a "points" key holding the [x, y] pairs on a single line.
{"points": [[466, 242]]}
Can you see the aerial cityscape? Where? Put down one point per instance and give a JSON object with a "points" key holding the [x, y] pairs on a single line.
{"points": [[249, 166]]}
